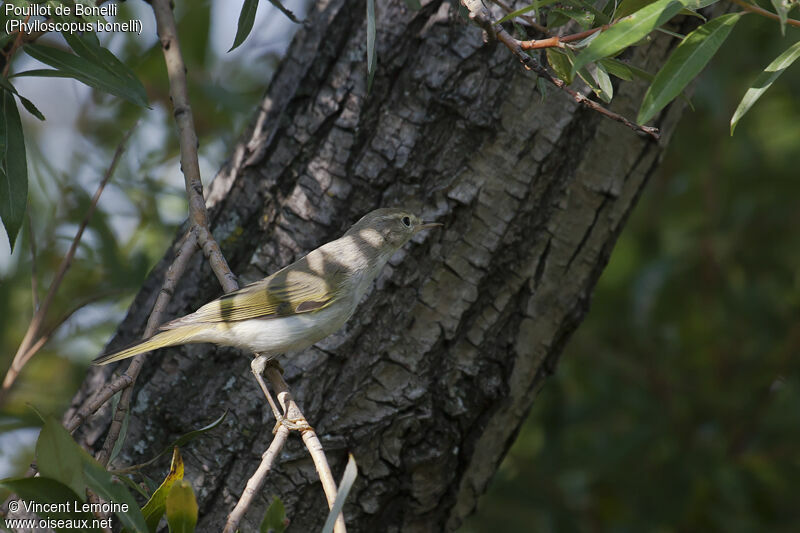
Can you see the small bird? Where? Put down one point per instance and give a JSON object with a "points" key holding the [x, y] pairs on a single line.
{"points": [[298, 305]]}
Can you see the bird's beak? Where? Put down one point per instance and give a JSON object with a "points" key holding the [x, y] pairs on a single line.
{"points": [[427, 225]]}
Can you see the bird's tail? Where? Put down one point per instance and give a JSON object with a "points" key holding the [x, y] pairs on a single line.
{"points": [[162, 339]]}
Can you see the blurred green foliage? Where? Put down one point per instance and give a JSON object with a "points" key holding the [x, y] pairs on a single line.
{"points": [[675, 405], [138, 211]]}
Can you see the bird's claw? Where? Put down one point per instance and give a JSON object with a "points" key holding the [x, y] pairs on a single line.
{"points": [[292, 424]]}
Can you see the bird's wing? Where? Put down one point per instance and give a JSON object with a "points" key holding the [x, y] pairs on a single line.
{"points": [[282, 294]]}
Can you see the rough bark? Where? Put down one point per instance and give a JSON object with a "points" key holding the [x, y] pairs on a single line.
{"points": [[428, 384]]}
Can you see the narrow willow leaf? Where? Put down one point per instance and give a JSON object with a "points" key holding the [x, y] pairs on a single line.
{"points": [[617, 68], [541, 85], [597, 14], [88, 47], [685, 63], [13, 168], [591, 81], [413, 5], [101, 482], [275, 518], [628, 31], [764, 81], [560, 63], [73, 66], [372, 59], [583, 18], [181, 508], [156, 506], [57, 454], [247, 17], [32, 109], [600, 75], [348, 478], [58, 457], [628, 7], [517, 13]]}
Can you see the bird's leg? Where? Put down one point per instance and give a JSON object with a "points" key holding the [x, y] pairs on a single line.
{"points": [[258, 365]]}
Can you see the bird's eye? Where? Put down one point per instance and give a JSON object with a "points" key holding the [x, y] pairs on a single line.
{"points": [[406, 222]]}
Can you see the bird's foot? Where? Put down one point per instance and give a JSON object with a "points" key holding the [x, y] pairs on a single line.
{"points": [[292, 424]]}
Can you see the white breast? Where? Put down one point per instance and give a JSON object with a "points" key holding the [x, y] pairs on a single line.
{"points": [[273, 336]]}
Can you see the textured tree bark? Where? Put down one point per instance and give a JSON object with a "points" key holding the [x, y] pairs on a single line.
{"points": [[428, 384]]}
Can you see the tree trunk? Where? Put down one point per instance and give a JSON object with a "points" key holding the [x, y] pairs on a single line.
{"points": [[428, 383]]}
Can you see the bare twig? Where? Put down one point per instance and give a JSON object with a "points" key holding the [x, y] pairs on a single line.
{"points": [[174, 272], [295, 419], [34, 274], [256, 481], [293, 412], [763, 12], [558, 42], [198, 216], [483, 18], [34, 328], [184, 253]]}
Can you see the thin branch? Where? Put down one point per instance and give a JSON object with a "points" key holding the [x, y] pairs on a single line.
{"points": [[296, 419], [558, 42], [198, 216], [293, 412], [34, 328], [256, 481], [14, 47], [481, 16], [184, 253], [764, 13], [34, 274]]}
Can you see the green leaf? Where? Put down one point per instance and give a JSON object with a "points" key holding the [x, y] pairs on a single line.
{"points": [[518, 12], [606, 89], [372, 59], [628, 31], [58, 457], [102, 483], [13, 168], [62, 500], [275, 518], [155, 507], [685, 63], [80, 68], [88, 47], [628, 7], [30, 108], [764, 81], [617, 68], [560, 63], [348, 478], [246, 18], [413, 5], [583, 18], [181, 508]]}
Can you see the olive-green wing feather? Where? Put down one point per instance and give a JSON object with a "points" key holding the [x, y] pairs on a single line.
{"points": [[282, 294]]}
